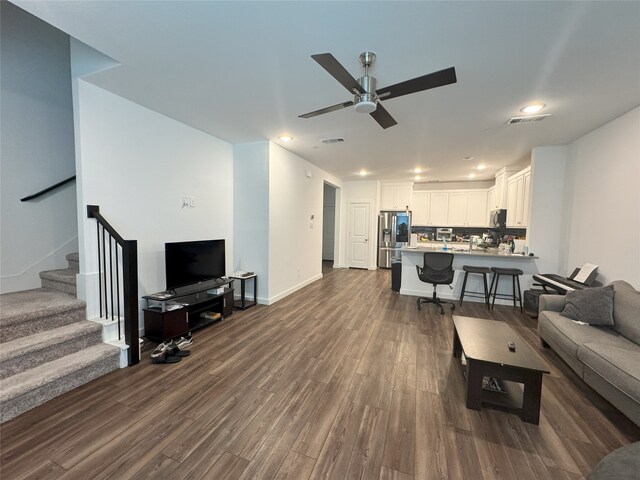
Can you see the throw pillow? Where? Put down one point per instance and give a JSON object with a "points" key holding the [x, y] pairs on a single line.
{"points": [[592, 305]]}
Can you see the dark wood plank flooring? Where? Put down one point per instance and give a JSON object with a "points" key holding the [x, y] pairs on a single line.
{"points": [[343, 379]]}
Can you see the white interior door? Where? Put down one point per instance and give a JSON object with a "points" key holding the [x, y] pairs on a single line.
{"points": [[358, 236]]}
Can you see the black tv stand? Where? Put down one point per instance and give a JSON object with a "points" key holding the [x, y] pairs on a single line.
{"points": [[177, 311]]}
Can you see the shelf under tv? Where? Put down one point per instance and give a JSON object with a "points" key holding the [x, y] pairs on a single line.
{"points": [[163, 321]]}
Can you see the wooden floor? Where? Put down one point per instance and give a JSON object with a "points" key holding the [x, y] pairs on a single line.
{"points": [[343, 379]]}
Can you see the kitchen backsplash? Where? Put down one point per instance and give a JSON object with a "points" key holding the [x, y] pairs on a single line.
{"points": [[467, 231]]}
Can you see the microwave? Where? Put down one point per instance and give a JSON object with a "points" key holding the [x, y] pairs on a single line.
{"points": [[498, 218]]}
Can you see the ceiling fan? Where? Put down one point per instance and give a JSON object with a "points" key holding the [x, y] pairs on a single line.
{"points": [[366, 97]]}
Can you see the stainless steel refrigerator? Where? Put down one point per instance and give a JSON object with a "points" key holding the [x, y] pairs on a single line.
{"points": [[394, 231]]}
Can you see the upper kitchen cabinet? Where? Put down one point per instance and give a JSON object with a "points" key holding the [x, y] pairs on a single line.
{"points": [[395, 196], [477, 209], [457, 209], [518, 198], [501, 187], [439, 209], [420, 206], [467, 209]]}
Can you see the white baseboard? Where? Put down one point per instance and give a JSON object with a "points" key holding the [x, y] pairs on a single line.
{"points": [[291, 290]]}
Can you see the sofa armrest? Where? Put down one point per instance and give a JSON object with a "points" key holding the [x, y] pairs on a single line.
{"points": [[554, 303]]}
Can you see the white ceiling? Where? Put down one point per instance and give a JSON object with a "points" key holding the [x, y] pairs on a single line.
{"points": [[242, 71]]}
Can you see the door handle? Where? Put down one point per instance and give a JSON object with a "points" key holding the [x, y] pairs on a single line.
{"points": [[366, 239]]}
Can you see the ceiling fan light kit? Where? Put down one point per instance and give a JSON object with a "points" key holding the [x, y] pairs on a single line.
{"points": [[366, 97]]}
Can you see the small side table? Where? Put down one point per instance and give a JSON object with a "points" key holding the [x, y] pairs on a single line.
{"points": [[243, 303]]}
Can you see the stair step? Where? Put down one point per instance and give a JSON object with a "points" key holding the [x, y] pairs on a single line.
{"points": [[73, 259], [32, 311], [28, 352], [36, 386], [63, 280]]}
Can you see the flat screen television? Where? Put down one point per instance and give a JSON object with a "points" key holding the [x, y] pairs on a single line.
{"points": [[193, 262]]}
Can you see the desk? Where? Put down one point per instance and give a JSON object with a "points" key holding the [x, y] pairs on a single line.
{"points": [[242, 303]]}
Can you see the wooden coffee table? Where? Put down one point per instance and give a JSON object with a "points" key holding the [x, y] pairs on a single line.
{"points": [[486, 354]]}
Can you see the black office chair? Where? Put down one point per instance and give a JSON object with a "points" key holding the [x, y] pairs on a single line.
{"points": [[436, 271]]}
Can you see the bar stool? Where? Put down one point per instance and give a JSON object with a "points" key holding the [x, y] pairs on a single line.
{"points": [[515, 276], [479, 270]]}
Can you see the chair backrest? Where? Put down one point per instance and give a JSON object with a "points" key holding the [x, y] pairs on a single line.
{"points": [[437, 268]]}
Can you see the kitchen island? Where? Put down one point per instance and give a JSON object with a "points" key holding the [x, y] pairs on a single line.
{"points": [[411, 284]]}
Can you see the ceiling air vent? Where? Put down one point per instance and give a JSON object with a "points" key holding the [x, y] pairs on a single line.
{"points": [[527, 119], [333, 140]]}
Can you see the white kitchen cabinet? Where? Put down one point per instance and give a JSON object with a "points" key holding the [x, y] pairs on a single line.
{"points": [[491, 199], [438, 209], [420, 205], [502, 187], [457, 209], [395, 196], [477, 209], [518, 198]]}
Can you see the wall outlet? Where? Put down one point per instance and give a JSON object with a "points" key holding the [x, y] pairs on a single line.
{"points": [[192, 201]]}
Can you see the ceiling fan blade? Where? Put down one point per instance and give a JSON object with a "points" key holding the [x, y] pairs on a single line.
{"points": [[332, 108], [383, 117], [337, 71], [425, 82]]}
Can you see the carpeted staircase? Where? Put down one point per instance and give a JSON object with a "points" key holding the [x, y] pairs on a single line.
{"points": [[47, 347]]}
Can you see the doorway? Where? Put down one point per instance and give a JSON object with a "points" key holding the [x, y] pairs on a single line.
{"points": [[328, 228]]}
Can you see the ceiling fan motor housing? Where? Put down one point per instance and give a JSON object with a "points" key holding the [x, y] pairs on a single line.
{"points": [[366, 102]]}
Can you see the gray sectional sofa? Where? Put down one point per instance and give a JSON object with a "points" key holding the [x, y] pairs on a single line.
{"points": [[606, 358]]}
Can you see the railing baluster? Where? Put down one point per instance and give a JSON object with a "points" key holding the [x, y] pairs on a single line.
{"points": [[111, 276], [118, 292], [99, 275], [104, 272]]}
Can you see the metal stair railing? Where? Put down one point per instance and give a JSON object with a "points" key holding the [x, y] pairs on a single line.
{"points": [[110, 245]]}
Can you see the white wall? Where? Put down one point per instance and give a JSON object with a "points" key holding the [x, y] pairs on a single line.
{"points": [[295, 240], [251, 213], [546, 217], [602, 203], [362, 191], [136, 165], [36, 124]]}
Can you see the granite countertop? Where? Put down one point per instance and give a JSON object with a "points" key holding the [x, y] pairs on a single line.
{"points": [[459, 249]]}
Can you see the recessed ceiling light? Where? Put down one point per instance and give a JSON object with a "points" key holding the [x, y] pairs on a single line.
{"points": [[363, 172], [417, 170], [533, 108], [285, 138], [417, 177], [468, 158], [472, 175], [482, 166]]}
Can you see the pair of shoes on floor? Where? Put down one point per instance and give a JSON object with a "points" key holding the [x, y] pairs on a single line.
{"points": [[163, 354], [173, 351]]}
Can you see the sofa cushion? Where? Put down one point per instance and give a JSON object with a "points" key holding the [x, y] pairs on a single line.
{"points": [[592, 305], [569, 335], [626, 310], [619, 366]]}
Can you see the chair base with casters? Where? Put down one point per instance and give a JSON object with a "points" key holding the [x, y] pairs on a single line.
{"points": [[436, 271], [514, 273], [436, 301]]}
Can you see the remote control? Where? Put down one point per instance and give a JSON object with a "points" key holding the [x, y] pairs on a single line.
{"points": [[512, 346]]}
